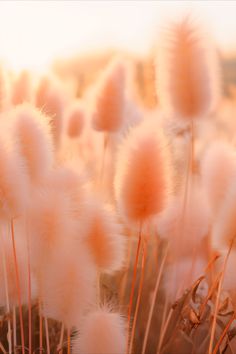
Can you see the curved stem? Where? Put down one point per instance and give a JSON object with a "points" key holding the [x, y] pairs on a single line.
{"points": [[223, 334], [2, 348]]}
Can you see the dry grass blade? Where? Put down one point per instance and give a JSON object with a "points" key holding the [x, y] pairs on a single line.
{"points": [[217, 346], [218, 297]]}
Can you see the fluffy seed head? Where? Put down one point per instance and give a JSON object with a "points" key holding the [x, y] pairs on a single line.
{"points": [[21, 90], [224, 229], [50, 100], [218, 170], [71, 184], [67, 285], [102, 332], [187, 72], [141, 180], [75, 121], [110, 100], [185, 230], [32, 132], [52, 223], [54, 108], [104, 239], [13, 182], [42, 92]]}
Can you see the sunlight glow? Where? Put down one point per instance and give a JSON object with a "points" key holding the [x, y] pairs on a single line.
{"points": [[33, 33]]}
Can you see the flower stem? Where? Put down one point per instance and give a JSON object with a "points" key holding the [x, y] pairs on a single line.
{"points": [[18, 288]]}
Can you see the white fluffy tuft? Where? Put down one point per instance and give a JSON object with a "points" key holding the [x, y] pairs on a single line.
{"points": [[218, 170], [224, 228], [142, 174], [110, 100], [185, 230], [32, 133], [102, 332], [67, 286], [104, 239], [187, 72]]}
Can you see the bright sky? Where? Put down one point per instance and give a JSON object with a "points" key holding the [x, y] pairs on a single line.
{"points": [[32, 33]]}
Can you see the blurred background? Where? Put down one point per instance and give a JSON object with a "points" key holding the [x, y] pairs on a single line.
{"points": [[72, 42], [73, 36]]}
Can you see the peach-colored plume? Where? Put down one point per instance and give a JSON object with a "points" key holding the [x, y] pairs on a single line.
{"points": [[52, 223], [67, 180], [224, 228], [32, 133], [21, 89], [185, 230], [13, 183], [110, 101], [75, 120], [51, 99], [218, 170], [187, 72], [67, 287], [102, 332], [141, 180], [42, 90], [54, 108], [104, 239], [229, 282]]}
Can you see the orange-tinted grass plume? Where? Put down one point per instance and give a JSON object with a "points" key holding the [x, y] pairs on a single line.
{"points": [[102, 332], [32, 134], [74, 120], [13, 182], [218, 170], [187, 71], [22, 88], [142, 173], [109, 103], [104, 239], [73, 277]]}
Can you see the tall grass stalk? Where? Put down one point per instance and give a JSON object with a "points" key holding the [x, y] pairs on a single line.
{"points": [[9, 333], [18, 288], [133, 285], [140, 288], [218, 298], [154, 296]]}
